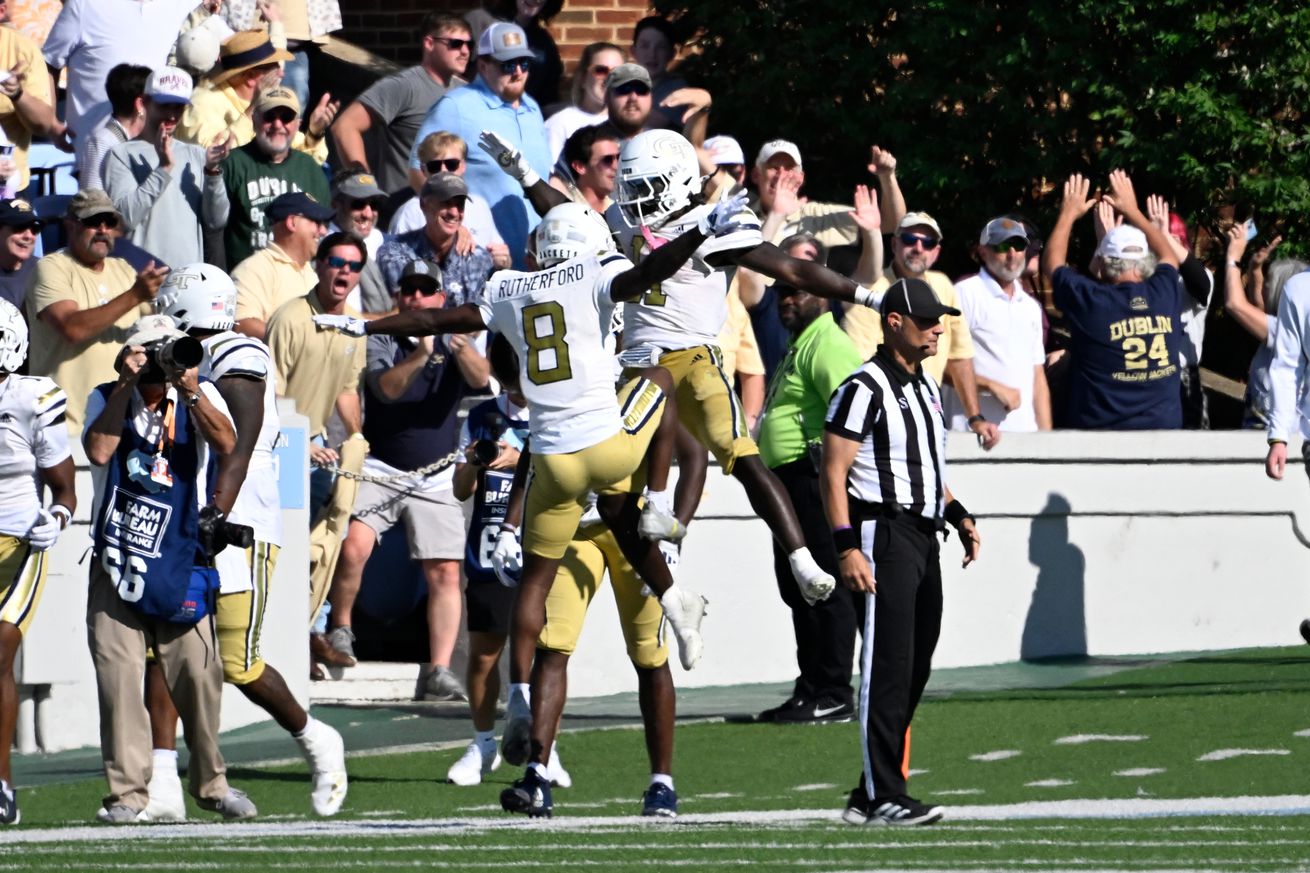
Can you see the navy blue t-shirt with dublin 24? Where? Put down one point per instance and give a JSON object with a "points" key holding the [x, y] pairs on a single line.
{"points": [[1124, 340]]}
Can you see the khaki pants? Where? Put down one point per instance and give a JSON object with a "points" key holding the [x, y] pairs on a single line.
{"points": [[188, 655]]}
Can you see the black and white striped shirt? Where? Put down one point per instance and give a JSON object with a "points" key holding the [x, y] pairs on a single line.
{"points": [[896, 416]]}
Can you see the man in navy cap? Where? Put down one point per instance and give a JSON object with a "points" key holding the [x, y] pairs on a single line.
{"points": [[19, 228], [281, 271]]}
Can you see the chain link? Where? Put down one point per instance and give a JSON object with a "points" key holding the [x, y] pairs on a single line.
{"points": [[421, 472]]}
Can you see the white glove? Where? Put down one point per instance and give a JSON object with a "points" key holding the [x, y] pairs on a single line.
{"points": [[870, 297], [507, 558], [722, 219], [509, 159], [344, 323], [816, 590], [45, 532]]}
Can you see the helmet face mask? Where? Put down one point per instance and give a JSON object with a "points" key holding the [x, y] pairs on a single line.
{"points": [[658, 176], [199, 297], [13, 338], [569, 231]]}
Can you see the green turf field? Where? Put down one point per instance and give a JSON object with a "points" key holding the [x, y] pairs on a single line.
{"points": [[1185, 765]]}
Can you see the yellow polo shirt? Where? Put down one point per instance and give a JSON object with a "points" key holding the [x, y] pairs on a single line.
{"points": [[864, 325], [314, 366], [15, 47], [268, 279], [77, 367]]}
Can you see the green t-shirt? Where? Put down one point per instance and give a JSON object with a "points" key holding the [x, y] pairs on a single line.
{"points": [[818, 361], [252, 183]]}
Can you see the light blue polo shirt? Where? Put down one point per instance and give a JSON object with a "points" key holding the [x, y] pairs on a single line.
{"points": [[472, 109]]}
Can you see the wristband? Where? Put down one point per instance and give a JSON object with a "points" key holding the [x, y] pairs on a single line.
{"points": [[956, 514], [529, 179], [62, 512], [846, 539], [506, 527], [974, 419], [1273, 441], [865, 297]]}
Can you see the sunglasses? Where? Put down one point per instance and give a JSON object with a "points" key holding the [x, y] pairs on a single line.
{"points": [[281, 113], [509, 68], [104, 219], [454, 44], [420, 290], [607, 160], [357, 205], [1011, 245], [600, 71], [338, 263], [638, 88], [33, 226], [450, 165], [909, 239]]}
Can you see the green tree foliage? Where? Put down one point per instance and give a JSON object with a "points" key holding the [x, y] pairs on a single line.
{"points": [[988, 106]]}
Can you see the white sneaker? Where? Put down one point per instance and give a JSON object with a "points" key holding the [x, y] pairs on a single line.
{"points": [[166, 800], [684, 611], [472, 766], [657, 525], [555, 772], [814, 582], [516, 742], [325, 751]]}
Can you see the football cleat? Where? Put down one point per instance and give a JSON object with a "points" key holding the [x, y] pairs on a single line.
{"points": [[529, 795]]}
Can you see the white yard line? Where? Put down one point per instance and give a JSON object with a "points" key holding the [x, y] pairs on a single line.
{"points": [[1132, 808], [1080, 739]]}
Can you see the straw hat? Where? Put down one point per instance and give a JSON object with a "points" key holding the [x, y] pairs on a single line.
{"points": [[246, 50]]}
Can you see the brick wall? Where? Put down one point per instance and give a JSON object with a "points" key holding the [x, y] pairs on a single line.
{"points": [[388, 27]]}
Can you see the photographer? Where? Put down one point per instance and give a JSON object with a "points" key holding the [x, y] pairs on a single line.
{"points": [[202, 299], [413, 387], [490, 440], [149, 437]]}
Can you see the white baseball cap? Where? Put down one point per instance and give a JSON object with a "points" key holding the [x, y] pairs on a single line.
{"points": [[1124, 241], [169, 85], [778, 147], [919, 219], [725, 150], [198, 49]]}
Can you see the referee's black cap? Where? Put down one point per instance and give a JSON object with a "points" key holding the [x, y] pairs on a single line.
{"points": [[914, 297]]}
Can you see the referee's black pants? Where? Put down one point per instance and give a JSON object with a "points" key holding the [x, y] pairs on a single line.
{"points": [[901, 625], [825, 632]]}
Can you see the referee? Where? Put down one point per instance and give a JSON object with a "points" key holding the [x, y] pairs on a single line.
{"points": [[884, 458]]}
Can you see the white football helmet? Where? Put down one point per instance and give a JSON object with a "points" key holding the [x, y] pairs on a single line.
{"points": [[658, 175], [13, 338], [199, 296], [570, 231]]}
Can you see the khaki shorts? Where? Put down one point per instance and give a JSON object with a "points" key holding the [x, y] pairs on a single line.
{"points": [[580, 575], [707, 405], [240, 618], [434, 520], [558, 484], [22, 573]]}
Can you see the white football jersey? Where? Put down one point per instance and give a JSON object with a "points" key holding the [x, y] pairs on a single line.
{"points": [[556, 321], [33, 436], [690, 308], [258, 504]]}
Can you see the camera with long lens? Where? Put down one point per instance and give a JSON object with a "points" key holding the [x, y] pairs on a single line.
{"points": [[216, 533], [486, 451], [177, 354]]}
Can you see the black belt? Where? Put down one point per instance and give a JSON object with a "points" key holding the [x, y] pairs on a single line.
{"points": [[863, 510]]}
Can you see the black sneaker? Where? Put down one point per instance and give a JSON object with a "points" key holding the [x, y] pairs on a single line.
{"points": [[822, 710], [9, 813], [902, 810], [857, 807], [529, 795], [771, 714]]}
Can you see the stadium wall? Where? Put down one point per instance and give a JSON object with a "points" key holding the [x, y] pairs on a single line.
{"points": [[1093, 544]]}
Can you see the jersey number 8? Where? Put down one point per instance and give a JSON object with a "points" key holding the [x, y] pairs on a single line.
{"points": [[548, 354]]}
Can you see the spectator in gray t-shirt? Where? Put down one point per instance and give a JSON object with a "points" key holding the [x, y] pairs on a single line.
{"points": [[394, 107]]}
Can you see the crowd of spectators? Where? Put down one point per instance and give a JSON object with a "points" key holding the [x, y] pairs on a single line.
{"points": [[195, 140]]}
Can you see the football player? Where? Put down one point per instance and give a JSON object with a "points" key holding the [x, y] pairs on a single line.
{"points": [[33, 453], [202, 300], [657, 198], [583, 438]]}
